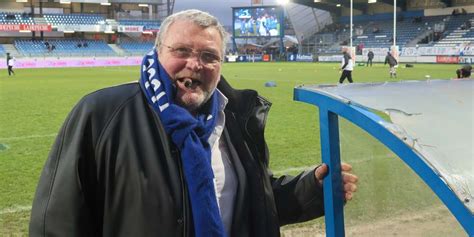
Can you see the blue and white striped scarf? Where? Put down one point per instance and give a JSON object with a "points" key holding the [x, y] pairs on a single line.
{"points": [[190, 134]]}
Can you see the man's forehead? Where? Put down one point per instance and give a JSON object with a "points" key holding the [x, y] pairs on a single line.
{"points": [[177, 28]]}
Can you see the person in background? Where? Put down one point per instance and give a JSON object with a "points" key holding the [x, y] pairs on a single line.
{"points": [[392, 62], [464, 71], [370, 57], [347, 65], [10, 64], [178, 153]]}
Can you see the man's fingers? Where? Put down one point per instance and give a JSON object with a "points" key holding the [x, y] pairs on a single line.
{"points": [[321, 172], [346, 167], [348, 196], [350, 188], [349, 178]]}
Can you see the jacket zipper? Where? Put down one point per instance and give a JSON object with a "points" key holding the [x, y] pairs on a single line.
{"points": [[183, 193]]}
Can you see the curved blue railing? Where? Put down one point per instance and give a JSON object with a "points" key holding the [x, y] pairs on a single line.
{"points": [[329, 110]]}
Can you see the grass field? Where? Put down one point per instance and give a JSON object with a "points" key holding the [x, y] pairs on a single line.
{"points": [[35, 102]]}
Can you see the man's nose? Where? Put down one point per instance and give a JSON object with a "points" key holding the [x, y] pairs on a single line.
{"points": [[193, 62]]}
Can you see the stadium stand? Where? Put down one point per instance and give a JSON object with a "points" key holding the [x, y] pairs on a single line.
{"points": [[134, 47], [15, 18], [145, 23], [63, 48], [73, 19], [459, 30]]}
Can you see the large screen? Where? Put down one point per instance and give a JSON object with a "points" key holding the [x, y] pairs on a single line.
{"points": [[258, 21]]}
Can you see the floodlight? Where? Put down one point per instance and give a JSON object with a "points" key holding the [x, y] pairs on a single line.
{"points": [[65, 2], [68, 31], [338, 5], [105, 3], [21, 0], [317, 0], [25, 31], [143, 5], [109, 32], [372, 1], [282, 2]]}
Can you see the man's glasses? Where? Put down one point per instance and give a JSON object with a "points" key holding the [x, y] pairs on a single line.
{"points": [[206, 58]]}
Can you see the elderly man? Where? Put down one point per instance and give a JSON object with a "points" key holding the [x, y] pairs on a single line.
{"points": [[180, 153]]}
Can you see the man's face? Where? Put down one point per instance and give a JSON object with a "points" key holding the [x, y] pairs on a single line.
{"points": [[195, 80]]}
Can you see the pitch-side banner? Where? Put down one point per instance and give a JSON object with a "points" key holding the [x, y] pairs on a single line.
{"points": [[24, 27], [333, 58], [300, 57], [431, 51], [82, 28], [129, 28], [376, 51], [447, 59]]}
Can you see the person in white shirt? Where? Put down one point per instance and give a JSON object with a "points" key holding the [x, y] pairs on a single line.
{"points": [[347, 65], [10, 63]]}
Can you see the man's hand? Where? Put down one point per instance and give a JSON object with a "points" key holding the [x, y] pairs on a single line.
{"points": [[349, 180]]}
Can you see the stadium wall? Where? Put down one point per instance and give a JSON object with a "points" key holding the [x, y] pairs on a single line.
{"points": [[11, 7]]}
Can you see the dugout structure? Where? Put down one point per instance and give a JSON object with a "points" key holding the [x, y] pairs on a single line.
{"points": [[431, 131]]}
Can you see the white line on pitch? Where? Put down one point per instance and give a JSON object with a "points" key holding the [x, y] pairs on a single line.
{"points": [[14, 209], [27, 137]]}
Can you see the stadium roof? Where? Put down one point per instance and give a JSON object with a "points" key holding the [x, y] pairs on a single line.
{"points": [[362, 5]]}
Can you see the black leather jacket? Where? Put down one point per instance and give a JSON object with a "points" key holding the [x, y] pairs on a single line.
{"points": [[113, 172]]}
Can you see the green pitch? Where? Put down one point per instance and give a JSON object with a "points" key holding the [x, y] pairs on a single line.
{"points": [[35, 102]]}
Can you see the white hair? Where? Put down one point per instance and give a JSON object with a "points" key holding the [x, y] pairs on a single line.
{"points": [[197, 17]]}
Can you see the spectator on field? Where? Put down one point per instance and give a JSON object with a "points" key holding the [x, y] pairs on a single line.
{"points": [[10, 64], [178, 153], [370, 57], [392, 62], [347, 65], [464, 71]]}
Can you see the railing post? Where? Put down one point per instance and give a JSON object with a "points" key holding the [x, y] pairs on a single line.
{"points": [[332, 184]]}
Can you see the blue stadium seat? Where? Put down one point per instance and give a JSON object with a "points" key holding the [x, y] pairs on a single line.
{"points": [[73, 19], [65, 47], [135, 47]]}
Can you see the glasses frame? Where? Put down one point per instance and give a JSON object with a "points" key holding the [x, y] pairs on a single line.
{"points": [[192, 52]]}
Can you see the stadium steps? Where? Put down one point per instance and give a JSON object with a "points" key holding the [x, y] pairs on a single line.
{"points": [[417, 39], [117, 49], [10, 48]]}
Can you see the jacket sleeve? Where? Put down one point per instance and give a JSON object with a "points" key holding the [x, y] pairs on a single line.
{"points": [[63, 203], [299, 198]]}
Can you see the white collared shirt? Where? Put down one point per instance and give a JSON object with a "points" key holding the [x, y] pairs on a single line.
{"points": [[225, 179]]}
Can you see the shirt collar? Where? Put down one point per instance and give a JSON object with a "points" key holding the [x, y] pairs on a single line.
{"points": [[221, 99]]}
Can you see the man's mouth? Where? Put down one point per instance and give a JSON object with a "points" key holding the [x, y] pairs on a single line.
{"points": [[188, 83]]}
